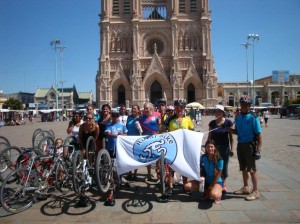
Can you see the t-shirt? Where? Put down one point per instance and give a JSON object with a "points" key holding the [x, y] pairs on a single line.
{"points": [[209, 169], [220, 135], [149, 124], [186, 123], [266, 114], [247, 125], [131, 127], [123, 119], [114, 128]]}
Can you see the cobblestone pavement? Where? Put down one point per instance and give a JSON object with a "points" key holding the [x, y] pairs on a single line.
{"points": [[279, 182]]}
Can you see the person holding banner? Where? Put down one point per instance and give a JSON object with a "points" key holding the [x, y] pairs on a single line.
{"points": [[211, 166], [175, 122], [150, 124], [133, 128]]}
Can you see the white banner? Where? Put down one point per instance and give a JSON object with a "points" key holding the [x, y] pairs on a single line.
{"points": [[182, 150]]}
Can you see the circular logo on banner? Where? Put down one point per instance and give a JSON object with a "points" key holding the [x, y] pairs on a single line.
{"points": [[149, 148]]}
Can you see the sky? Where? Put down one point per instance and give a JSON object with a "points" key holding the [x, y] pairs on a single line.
{"points": [[27, 28]]}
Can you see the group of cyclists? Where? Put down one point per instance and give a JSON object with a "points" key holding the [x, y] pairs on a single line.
{"points": [[108, 125]]}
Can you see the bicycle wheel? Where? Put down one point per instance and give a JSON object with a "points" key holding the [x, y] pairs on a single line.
{"points": [[36, 131], [8, 161], [3, 146], [39, 136], [162, 173], [63, 181], [15, 196], [90, 151], [52, 133], [5, 140], [103, 167], [46, 143], [77, 172], [117, 179]]}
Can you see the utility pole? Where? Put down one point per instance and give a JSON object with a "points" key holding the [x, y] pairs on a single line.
{"points": [[246, 45], [62, 72], [54, 43]]}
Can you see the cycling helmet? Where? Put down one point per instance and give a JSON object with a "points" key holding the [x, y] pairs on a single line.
{"points": [[246, 99], [161, 100], [181, 102]]}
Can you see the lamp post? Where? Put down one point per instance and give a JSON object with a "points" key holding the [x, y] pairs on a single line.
{"points": [[254, 37], [246, 45], [54, 43], [62, 71]]}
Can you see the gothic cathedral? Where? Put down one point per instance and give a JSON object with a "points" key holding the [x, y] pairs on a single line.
{"points": [[152, 49]]}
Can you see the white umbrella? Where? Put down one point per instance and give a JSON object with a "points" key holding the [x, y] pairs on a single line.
{"points": [[195, 105]]}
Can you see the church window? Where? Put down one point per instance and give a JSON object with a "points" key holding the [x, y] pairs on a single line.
{"points": [[181, 6], [193, 6], [126, 7], [115, 10]]}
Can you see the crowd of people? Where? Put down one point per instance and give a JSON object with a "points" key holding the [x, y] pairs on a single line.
{"points": [[150, 120]]}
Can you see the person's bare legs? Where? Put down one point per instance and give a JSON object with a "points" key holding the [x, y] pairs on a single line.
{"points": [[254, 181], [245, 177]]}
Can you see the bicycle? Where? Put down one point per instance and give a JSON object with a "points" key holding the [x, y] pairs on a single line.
{"points": [[10, 159], [25, 185], [106, 172], [163, 174], [83, 168]]}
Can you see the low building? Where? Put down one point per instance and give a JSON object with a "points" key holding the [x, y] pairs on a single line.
{"points": [[266, 91], [67, 98]]}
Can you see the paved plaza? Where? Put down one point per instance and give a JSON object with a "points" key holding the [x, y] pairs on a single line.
{"points": [[279, 183]]}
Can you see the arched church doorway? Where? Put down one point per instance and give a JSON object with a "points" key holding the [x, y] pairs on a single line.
{"points": [[121, 95], [191, 93], [155, 92]]}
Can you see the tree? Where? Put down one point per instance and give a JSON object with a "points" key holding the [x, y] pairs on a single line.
{"points": [[13, 104]]}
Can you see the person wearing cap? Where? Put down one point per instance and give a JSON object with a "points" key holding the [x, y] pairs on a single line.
{"points": [[248, 131], [219, 133], [162, 113], [177, 121], [112, 130]]}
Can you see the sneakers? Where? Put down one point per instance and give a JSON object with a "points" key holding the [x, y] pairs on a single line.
{"points": [[218, 201], [243, 190], [253, 196]]}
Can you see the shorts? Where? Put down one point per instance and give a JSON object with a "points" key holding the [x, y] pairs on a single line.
{"points": [[245, 157], [206, 186]]}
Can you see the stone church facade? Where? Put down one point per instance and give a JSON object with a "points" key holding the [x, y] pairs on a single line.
{"points": [[152, 49]]}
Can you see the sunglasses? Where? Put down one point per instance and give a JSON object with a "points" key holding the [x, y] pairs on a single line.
{"points": [[89, 118]]}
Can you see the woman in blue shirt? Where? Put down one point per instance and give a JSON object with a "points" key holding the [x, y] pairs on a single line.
{"points": [[211, 166], [133, 129]]}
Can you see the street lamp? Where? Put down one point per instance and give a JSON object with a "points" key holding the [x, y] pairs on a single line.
{"points": [[62, 69], [53, 44], [254, 37], [246, 45]]}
